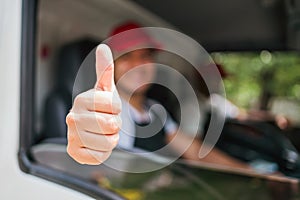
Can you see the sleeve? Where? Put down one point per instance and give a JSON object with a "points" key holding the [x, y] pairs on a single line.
{"points": [[223, 106], [170, 125]]}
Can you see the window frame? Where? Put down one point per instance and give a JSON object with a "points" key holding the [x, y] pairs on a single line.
{"points": [[27, 105], [27, 102]]}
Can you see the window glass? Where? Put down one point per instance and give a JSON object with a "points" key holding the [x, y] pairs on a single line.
{"points": [[67, 31]]}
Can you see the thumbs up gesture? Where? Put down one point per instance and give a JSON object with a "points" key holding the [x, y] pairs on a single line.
{"points": [[94, 121]]}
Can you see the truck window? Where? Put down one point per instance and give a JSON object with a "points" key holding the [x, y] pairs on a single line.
{"points": [[59, 36]]}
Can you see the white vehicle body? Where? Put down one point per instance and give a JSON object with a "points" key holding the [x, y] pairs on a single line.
{"points": [[15, 183]]}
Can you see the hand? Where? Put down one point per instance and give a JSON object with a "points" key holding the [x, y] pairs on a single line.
{"points": [[94, 121]]}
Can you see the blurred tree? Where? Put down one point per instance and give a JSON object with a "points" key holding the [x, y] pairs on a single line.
{"points": [[255, 77]]}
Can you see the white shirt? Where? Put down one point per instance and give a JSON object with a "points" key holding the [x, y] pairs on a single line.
{"points": [[222, 106], [130, 116]]}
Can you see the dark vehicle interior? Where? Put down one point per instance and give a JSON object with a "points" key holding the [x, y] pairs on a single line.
{"points": [[248, 38]]}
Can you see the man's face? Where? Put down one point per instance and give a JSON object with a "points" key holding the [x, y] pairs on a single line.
{"points": [[140, 68]]}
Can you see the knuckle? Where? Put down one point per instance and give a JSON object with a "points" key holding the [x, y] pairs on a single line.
{"points": [[80, 99], [77, 100], [113, 124], [114, 128], [107, 123], [70, 119], [112, 141], [107, 146], [74, 122]]}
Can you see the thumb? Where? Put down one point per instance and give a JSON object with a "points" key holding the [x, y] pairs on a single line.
{"points": [[104, 68]]}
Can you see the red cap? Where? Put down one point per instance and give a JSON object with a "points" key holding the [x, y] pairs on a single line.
{"points": [[208, 69], [133, 36], [222, 71]]}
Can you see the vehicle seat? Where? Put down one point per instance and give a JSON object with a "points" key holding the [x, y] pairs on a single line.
{"points": [[59, 101]]}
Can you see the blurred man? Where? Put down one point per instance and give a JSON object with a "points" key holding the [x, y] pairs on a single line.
{"points": [[94, 124]]}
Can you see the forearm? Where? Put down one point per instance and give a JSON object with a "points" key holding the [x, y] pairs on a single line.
{"points": [[191, 148]]}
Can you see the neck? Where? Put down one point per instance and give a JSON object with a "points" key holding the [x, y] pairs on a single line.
{"points": [[136, 100]]}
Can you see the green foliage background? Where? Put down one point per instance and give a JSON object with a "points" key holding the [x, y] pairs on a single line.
{"points": [[244, 84]]}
